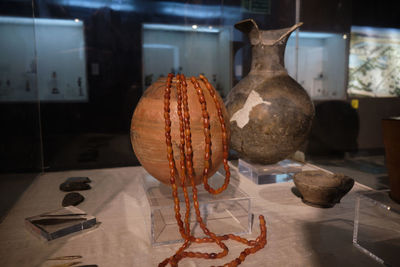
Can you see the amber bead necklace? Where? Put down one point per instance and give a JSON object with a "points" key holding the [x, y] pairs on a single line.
{"points": [[186, 172]]}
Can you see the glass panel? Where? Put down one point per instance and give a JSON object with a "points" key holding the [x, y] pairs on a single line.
{"points": [[61, 60], [96, 58], [19, 105], [323, 58], [20, 134], [178, 47]]}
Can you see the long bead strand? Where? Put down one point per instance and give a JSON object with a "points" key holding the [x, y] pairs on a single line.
{"points": [[187, 171], [207, 135]]}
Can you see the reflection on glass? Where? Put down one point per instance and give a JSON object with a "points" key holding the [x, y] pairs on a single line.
{"points": [[17, 61], [190, 50], [322, 63], [374, 63], [59, 61]]}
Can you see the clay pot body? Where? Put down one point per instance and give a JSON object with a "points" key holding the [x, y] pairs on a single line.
{"points": [[148, 131], [321, 189], [391, 135], [270, 113]]}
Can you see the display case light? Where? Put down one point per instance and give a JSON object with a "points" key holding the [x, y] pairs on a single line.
{"points": [[168, 27]]}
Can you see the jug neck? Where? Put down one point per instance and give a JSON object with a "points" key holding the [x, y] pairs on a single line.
{"points": [[267, 58]]}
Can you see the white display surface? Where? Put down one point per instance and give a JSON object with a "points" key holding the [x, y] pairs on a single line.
{"points": [[297, 234], [42, 59]]}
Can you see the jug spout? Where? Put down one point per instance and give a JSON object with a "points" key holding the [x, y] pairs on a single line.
{"points": [[268, 46], [265, 37]]}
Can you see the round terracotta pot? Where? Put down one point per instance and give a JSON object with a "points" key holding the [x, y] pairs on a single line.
{"points": [[148, 130], [391, 140]]}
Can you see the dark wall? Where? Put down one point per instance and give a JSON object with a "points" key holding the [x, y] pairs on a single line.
{"points": [[376, 13], [371, 112], [339, 15], [326, 16], [20, 145], [339, 126]]}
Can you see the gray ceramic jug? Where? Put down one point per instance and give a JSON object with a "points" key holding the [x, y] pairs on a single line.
{"points": [[270, 113]]}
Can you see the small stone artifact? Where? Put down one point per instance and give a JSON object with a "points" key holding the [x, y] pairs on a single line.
{"points": [[72, 199], [270, 113], [75, 184], [79, 179], [321, 189], [193, 136]]}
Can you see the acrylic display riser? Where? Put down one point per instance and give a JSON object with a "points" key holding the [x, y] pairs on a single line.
{"points": [[377, 227], [225, 213], [282, 171]]}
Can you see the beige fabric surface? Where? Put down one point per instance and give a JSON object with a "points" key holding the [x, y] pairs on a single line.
{"points": [[298, 235]]}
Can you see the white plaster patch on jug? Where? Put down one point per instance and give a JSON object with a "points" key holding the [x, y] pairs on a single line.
{"points": [[242, 115]]}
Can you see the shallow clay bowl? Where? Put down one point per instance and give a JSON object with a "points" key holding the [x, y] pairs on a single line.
{"points": [[321, 189]]}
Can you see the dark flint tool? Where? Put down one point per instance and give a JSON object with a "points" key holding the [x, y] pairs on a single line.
{"points": [[75, 184], [72, 199]]}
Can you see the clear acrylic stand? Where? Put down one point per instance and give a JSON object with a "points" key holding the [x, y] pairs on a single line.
{"points": [[377, 227], [282, 171], [225, 213]]}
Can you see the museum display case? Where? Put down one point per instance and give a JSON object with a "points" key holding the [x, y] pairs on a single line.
{"points": [[87, 63], [72, 73]]}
